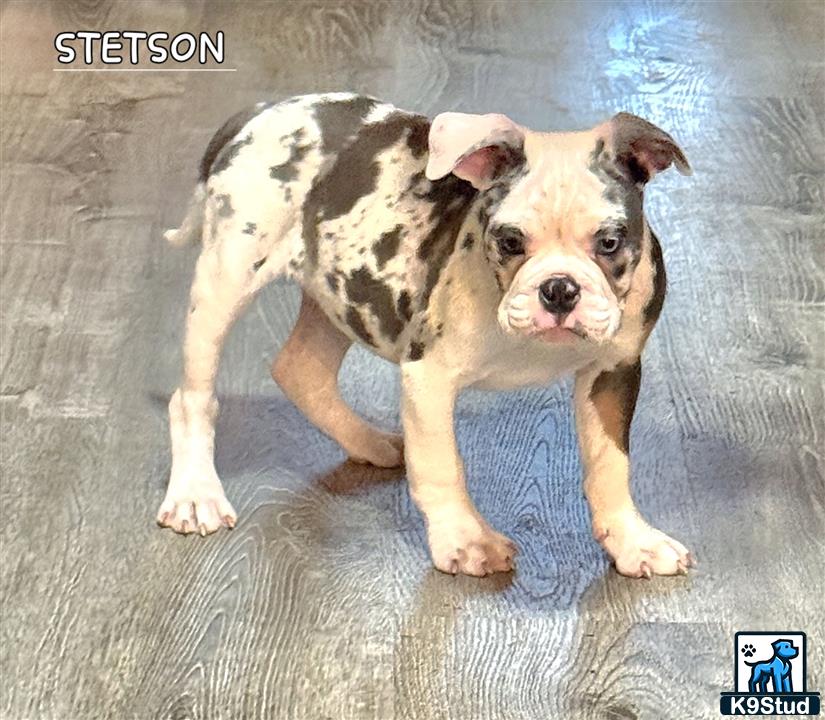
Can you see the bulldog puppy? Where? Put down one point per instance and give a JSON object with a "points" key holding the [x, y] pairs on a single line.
{"points": [[471, 251]]}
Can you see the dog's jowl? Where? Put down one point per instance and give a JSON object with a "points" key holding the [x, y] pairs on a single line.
{"points": [[470, 250]]}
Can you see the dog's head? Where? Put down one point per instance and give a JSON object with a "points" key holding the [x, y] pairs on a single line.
{"points": [[561, 212], [784, 649]]}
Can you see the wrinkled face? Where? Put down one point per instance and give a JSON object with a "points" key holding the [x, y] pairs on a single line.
{"points": [[562, 214], [564, 236]]}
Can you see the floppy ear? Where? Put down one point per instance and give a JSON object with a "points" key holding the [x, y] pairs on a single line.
{"points": [[476, 148], [642, 149]]}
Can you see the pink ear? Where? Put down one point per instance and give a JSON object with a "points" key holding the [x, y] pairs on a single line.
{"points": [[473, 147]]}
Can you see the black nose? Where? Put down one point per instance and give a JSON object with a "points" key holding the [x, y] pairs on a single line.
{"points": [[559, 294]]}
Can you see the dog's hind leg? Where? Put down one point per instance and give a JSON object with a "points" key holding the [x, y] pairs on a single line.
{"points": [[307, 371], [753, 682], [228, 275]]}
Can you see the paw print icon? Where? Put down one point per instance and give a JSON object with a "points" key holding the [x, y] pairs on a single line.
{"points": [[748, 650]]}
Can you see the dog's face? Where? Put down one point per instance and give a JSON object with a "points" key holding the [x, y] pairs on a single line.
{"points": [[785, 649], [562, 214]]}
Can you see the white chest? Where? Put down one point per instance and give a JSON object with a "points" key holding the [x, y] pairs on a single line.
{"points": [[518, 363]]}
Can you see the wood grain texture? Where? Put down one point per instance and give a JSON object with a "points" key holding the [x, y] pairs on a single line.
{"points": [[322, 602]]}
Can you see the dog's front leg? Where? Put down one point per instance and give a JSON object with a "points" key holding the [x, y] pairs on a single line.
{"points": [[778, 683], [605, 401], [461, 540]]}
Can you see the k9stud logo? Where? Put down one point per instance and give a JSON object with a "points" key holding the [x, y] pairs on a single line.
{"points": [[769, 676]]}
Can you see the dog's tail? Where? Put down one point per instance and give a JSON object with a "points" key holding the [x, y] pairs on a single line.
{"points": [[190, 229]]}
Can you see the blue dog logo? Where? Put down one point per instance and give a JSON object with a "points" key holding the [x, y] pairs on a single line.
{"points": [[769, 675], [775, 671]]}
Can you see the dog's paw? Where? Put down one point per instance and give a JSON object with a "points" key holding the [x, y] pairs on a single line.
{"points": [[471, 547], [196, 507], [640, 550], [748, 650], [384, 450]]}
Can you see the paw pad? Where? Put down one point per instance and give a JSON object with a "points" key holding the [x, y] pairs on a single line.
{"points": [[748, 650]]}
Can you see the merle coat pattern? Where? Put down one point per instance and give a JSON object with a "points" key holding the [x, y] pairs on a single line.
{"points": [[470, 250]]}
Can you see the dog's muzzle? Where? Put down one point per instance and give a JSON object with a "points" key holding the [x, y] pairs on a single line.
{"points": [[559, 295], [553, 293]]}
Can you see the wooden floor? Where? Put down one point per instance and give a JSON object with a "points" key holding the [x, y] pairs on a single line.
{"points": [[322, 603]]}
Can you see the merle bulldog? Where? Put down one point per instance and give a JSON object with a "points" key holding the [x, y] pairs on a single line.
{"points": [[471, 251]]}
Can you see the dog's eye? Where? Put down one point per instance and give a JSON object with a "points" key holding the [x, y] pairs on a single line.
{"points": [[608, 244], [510, 241]]}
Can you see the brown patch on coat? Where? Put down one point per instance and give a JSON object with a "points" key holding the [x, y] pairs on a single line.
{"points": [[614, 394], [654, 306]]}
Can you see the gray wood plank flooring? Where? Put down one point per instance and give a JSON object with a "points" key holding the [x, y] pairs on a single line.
{"points": [[322, 602]]}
